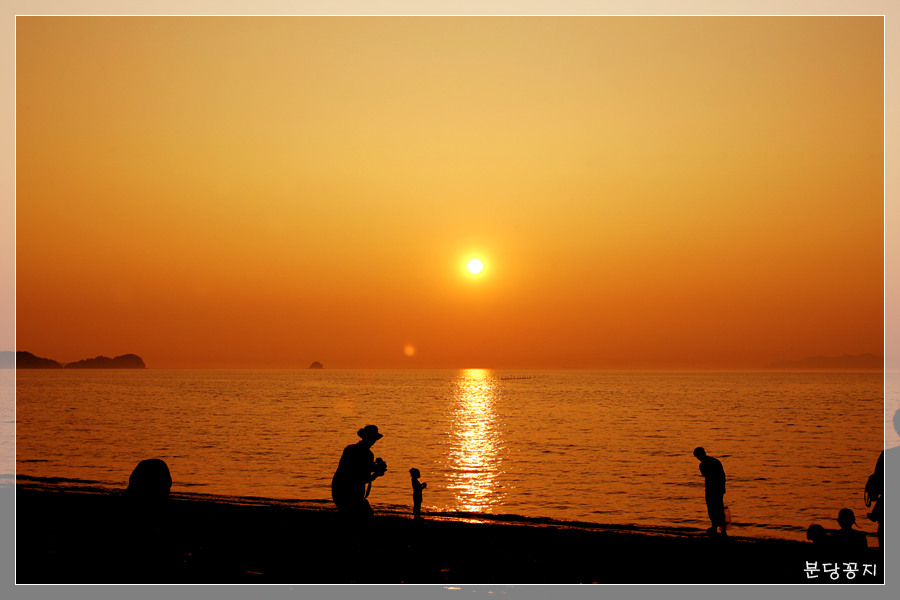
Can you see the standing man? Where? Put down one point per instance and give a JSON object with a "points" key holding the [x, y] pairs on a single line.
{"points": [[875, 493], [714, 474]]}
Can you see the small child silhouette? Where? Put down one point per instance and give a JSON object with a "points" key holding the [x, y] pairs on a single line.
{"points": [[417, 492]]}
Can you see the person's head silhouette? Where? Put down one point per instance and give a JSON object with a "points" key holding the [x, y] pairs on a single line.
{"points": [[150, 482], [369, 435], [846, 518], [699, 452], [816, 534]]}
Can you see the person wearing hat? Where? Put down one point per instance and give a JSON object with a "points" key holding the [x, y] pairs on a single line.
{"points": [[356, 470], [846, 539]]}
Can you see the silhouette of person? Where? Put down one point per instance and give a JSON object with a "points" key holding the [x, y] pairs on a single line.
{"points": [[149, 484], [846, 539], [817, 535], [356, 470], [147, 552], [417, 492], [877, 480], [875, 493], [714, 476], [821, 544]]}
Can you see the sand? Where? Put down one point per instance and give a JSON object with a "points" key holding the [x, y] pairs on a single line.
{"points": [[74, 535]]}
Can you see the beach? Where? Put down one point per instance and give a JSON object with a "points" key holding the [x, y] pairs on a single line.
{"points": [[72, 535]]}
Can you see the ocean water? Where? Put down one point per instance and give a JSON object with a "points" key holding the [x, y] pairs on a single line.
{"points": [[597, 446]]}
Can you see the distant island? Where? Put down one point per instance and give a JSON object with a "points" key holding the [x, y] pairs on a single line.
{"points": [[316, 365], [846, 362], [27, 360], [126, 361]]}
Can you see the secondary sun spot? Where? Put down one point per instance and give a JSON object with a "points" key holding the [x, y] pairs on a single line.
{"points": [[409, 350], [475, 266]]}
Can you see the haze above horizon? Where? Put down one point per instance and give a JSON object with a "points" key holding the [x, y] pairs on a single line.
{"points": [[652, 192]]}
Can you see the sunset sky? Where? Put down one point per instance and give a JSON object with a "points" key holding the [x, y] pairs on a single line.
{"points": [[643, 192]]}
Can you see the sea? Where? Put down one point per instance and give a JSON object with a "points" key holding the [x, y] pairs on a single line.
{"points": [[597, 447]]}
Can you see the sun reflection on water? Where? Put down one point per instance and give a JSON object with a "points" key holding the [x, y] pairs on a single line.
{"points": [[475, 442]]}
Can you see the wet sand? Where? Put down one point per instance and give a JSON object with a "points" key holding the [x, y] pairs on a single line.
{"points": [[82, 535]]}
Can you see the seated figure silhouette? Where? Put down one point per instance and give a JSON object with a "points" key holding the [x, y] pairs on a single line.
{"points": [[846, 540], [821, 544], [147, 552], [817, 535], [149, 484], [356, 470]]}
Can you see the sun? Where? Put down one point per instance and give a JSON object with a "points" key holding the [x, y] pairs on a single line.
{"points": [[475, 266]]}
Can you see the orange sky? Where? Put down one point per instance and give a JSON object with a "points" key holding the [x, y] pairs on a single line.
{"points": [[265, 192]]}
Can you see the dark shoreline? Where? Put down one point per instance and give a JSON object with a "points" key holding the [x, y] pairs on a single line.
{"points": [[67, 534], [57, 484], [63, 484]]}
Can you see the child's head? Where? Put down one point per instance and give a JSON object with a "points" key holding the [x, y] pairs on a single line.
{"points": [[415, 473], [846, 518]]}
